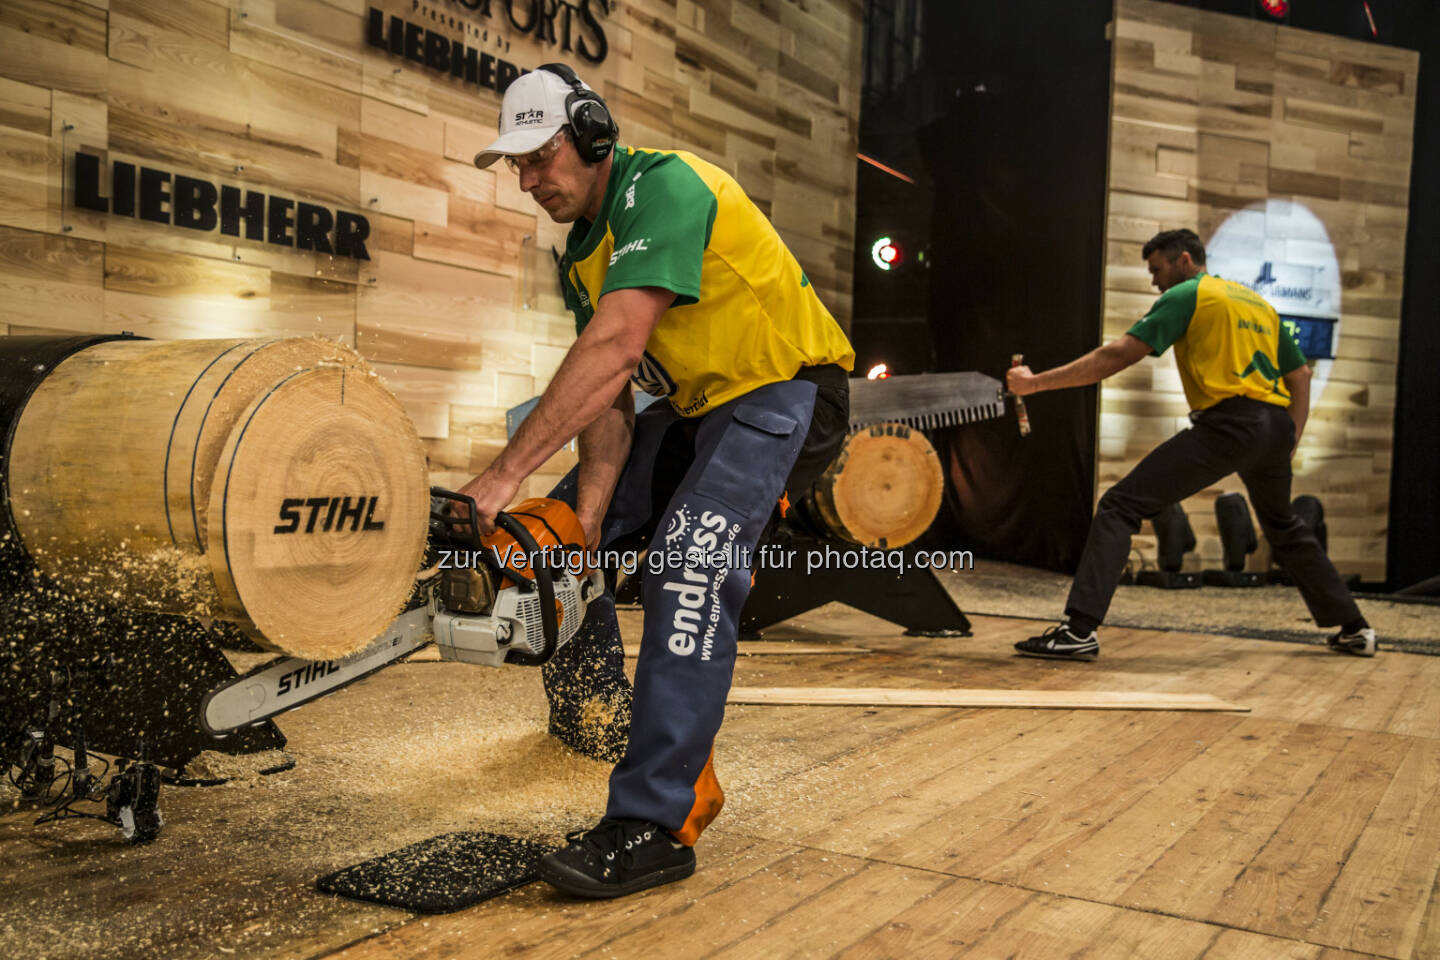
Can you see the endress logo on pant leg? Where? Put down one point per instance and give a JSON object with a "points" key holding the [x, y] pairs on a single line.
{"points": [[697, 590]]}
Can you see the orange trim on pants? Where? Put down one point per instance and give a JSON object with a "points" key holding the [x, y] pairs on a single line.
{"points": [[709, 798]]}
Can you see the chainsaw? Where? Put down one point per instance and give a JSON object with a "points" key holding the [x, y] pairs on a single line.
{"points": [[513, 597]]}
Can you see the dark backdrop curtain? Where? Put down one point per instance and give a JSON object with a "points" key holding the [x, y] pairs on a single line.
{"points": [[1019, 167], [1414, 553]]}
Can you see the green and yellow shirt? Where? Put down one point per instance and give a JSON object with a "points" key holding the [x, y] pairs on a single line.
{"points": [[744, 314], [1228, 341]]}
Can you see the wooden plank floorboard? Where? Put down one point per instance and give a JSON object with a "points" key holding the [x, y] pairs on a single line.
{"points": [[1427, 938], [1028, 783], [1360, 698], [1115, 852], [969, 918], [1281, 890], [891, 822], [1416, 714], [1193, 875], [1379, 898], [691, 930], [1039, 847], [879, 794], [849, 910]]}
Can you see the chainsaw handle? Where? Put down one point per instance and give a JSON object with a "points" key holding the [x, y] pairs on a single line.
{"points": [[550, 627], [449, 523]]}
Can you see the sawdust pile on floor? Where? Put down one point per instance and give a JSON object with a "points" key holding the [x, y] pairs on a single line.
{"points": [[455, 747], [247, 767]]}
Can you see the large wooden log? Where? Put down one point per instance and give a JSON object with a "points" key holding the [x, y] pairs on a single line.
{"points": [[275, 484], [883, 489]]}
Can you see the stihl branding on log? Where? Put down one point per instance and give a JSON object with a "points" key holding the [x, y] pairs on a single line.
{"points": [[358, 512]]}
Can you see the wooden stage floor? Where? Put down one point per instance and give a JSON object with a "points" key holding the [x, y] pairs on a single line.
{"points": [[1307, 828]]}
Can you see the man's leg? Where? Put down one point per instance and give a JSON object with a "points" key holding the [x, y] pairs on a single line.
{"points": [[664, 792], [1182, 466], [1295, 546], [585, 683]]}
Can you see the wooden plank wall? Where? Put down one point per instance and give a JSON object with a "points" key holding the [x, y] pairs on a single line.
{"points": [[457, 309], [1210, 115]]}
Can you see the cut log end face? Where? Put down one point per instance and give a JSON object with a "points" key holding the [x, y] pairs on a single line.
{"points": [[884, 489], [319, 511], [222, 394]]}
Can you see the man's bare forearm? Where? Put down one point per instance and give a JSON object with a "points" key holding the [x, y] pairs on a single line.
{"points": [[1091, 368], [604, 448], [1124, 351]]}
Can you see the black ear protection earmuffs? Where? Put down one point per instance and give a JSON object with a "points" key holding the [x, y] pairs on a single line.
{"points": [[595, 130]]}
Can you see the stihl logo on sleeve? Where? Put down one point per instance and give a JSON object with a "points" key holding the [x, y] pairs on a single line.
{"points": [[631, 247]]}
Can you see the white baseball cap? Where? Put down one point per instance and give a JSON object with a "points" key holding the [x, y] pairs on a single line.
{"points": [[532, 111]]}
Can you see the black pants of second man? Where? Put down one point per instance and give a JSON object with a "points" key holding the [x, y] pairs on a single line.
{"points": [[1238, 435]]}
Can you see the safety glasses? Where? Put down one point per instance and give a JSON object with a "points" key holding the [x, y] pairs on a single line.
{"points": [[536, 159]]}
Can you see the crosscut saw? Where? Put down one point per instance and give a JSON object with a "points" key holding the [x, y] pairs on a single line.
{"points": [[513, 597], [926, 401]]}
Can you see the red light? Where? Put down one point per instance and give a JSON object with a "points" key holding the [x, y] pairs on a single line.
{"points": [[890, 253]]}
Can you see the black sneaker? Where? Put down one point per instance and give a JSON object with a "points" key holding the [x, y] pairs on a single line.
{"points": [[1058, 643], [617, 857], [1361, 643]]}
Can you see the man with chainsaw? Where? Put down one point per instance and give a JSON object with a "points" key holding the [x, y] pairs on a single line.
{"points": [[1249, 393], [680, 284]]}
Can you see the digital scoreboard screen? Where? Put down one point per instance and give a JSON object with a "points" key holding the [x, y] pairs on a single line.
{"points": [[1315, 336]]}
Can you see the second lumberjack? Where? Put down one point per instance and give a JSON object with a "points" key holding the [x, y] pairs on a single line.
{"points": [[679, 282]]}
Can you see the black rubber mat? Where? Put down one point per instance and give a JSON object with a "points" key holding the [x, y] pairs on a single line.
{"points": [[440, 875]]}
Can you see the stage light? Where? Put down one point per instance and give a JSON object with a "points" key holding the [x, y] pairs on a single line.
{"points": [[878, 372], [1237, 539], [1173, 539], [1276, 8], [886, 253]]}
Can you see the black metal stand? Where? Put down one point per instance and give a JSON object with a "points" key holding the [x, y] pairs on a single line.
{"points": [[1168, 579], [1233, 578], [912, 597]]}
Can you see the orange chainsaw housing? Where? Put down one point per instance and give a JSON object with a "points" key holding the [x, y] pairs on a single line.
{"points": [[553, 525]]}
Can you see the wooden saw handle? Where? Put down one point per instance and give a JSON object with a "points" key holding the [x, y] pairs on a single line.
{"points": [[1016, 359]]}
